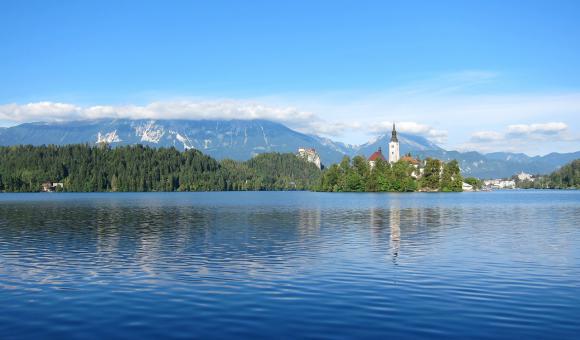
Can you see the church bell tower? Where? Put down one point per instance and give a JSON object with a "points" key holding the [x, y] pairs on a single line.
{"points": [[394, 147]]}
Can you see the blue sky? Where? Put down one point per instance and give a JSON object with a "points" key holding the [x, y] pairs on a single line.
{"points": [[481, 75]]}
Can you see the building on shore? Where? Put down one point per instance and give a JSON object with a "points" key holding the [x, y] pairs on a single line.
{"points": [[51, 186], [467, 187], [311, 156], [499, 184]]}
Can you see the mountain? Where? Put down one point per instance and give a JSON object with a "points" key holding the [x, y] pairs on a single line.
{"points": [[472, 163], [243, 139], [407, 143], [515, 162], [509, 156], [235, 139]]}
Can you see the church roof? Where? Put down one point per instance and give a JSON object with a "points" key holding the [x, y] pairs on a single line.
{"points": [[394, 135], [377, 154]]}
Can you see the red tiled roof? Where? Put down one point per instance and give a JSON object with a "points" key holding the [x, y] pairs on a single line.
{"points": [[377, 154], [410, 160]]}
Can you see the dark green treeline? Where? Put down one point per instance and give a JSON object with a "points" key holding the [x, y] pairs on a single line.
{"points": [[358, 176], [84, 168], [566, 177]]}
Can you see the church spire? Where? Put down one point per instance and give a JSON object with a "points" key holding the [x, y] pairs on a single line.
{"points": [[394, 135]]}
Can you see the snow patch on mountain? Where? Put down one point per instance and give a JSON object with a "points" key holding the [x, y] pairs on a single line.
{"points": [[187, 144], [340, 147], [264, 134], [150, 132], [417, 144], [111, 137]]}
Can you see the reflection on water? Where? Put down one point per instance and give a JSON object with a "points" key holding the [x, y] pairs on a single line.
{"points": [[395, 219], [290, 264]]}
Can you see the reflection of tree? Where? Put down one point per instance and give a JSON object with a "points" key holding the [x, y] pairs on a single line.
{"points": [[309, 222], [107, 230], [377, 221]]}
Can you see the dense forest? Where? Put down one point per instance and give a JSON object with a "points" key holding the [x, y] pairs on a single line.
{"points": [[356, 175], [84, 168], [567, 177]]}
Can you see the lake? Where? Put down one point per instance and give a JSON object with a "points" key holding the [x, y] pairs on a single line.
{"points": [[500, 264]]}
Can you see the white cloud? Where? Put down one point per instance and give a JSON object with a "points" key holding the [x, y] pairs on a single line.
{"points": [[219, 109], [518, 137], [485, 136], [38, 111], [414, 128], [184, 109], [545, 128], [464, 103], [334, 129]]}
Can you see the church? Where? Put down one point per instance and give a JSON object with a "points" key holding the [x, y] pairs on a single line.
{"points": [[394, 147], [393, 150]]}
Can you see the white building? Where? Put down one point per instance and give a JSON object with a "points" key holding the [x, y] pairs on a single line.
{"points": [[394, 147], [522, 176], [310, 155], [466, 186], [499, 184]]}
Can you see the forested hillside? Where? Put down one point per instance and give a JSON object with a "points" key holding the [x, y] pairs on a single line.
{"points": [[566, 177], [84, 168]]}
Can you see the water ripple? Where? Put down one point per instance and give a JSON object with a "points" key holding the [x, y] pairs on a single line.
{"points": [[290, 265]]}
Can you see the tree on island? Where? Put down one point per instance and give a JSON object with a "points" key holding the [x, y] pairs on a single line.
{"points": [[451, 179], [358, 176], [431, 179]]}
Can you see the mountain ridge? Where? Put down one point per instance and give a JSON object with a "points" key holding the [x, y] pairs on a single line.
{"points": [[243, 139]]}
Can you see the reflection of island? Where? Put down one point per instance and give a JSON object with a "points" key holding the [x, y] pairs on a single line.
{"points": [[395, 240], [377, 221], [386, 223]]}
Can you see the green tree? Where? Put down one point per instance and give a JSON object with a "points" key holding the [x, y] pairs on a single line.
{"points": [[431, 179], [475, 182], [451, 179], [140, 168]]}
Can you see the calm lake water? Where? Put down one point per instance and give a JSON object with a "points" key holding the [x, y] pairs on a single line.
{"points": [[290, 264]]}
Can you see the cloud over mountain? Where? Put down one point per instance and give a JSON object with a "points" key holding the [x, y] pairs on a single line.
{"points": [[545, 128], [438, 136], [304, 121], [219, 109], [516, 136], [486, 136]]}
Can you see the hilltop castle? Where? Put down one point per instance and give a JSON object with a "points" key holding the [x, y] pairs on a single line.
{"points": [[310, 155]]}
